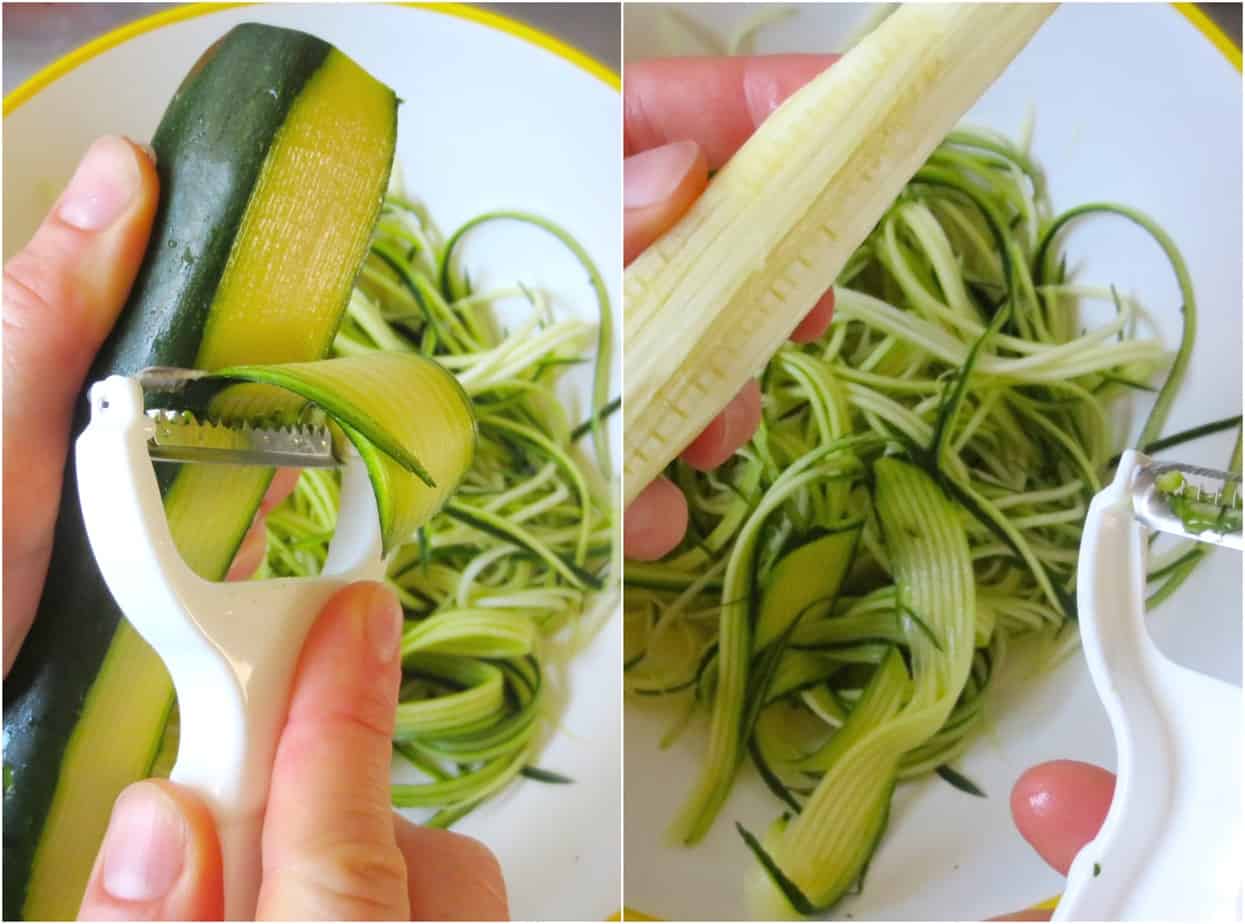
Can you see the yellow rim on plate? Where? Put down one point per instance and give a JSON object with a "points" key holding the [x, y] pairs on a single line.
{"points": [[533, 36], [1209, 28]]}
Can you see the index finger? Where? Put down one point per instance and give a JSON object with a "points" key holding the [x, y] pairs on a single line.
{"points": [[716, 102]]}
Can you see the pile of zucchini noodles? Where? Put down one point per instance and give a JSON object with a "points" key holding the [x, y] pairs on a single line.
{"points": [[956, 345], [501, 587]]}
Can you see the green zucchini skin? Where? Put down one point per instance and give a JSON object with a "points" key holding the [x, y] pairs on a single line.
{"points": [[45, 690], [210, 147]]}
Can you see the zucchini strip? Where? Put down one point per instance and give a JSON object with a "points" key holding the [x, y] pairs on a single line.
{"points": [[821, 849]]}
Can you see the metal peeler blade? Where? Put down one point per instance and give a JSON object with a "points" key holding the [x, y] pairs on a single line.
{"points": [[182, 436], [1170, 847], [1189, 501], [179, 436]]}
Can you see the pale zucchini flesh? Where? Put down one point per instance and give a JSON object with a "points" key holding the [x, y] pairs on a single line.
{"points": [[709, 303]]}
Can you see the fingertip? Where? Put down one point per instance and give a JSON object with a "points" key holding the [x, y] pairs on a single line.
{"points": [[64, 289], [149, 176], [450, 876], [655, 522], [147, 150], [1028, 914], [816, 322], [349, 660], [282, 486], [251, 552], [1059, 806], [728, 432], [651, 177], [160, 859], [659, 186], [135, 227]]}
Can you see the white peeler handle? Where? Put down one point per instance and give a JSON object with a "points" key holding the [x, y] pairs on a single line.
{"points": [[1170, 846], [231, 649]]}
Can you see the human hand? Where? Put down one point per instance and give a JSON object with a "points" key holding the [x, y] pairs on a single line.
{"points": [[1058, 808], [684, 117], [333, 846], [333, 849], [62, 294]]}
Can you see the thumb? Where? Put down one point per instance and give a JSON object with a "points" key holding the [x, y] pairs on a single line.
{"points": [[330, 851], [659, 185], [160, 860], [62, 293]]}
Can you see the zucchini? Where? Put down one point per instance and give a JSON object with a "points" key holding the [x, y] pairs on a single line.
{"points": [[274, 156], [712, 300], [805, 581]]}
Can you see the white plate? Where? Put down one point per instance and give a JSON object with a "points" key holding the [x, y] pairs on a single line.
{"points": [[490, 120], [1132, 104]]}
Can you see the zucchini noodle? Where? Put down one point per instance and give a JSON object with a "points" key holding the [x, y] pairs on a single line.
{"points": [[503, 585], [958, 346]]}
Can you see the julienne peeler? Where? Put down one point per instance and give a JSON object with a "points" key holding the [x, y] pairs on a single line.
{"points": [[230, 648], [1170, 847]]}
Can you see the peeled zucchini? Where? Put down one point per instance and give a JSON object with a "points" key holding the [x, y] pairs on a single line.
{"points": [[708, 304]]}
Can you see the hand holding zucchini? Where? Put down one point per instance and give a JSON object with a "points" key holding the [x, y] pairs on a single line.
{"points": [[779, 221], [273, 158]]}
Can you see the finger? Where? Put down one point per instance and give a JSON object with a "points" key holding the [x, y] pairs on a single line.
{"points": [[816, 321], [1029, 914], [450, 877], [254, 547], [1058, 808], [330, 851], [655, 522], [281, 487], [716, 102], [160, 860], [62, 293], [251, 552], [727, 432], [659, 185]]}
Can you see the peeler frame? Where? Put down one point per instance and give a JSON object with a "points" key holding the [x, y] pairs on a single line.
{"points": [[1170, 847], [231, 648]]}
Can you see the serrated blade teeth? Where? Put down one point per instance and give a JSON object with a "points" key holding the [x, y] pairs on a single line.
{"points": [[180, 436], [1190, 501]]}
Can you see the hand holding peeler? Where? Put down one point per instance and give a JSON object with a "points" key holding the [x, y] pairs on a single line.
{"points": [[1170, 847], [231, 648]]}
